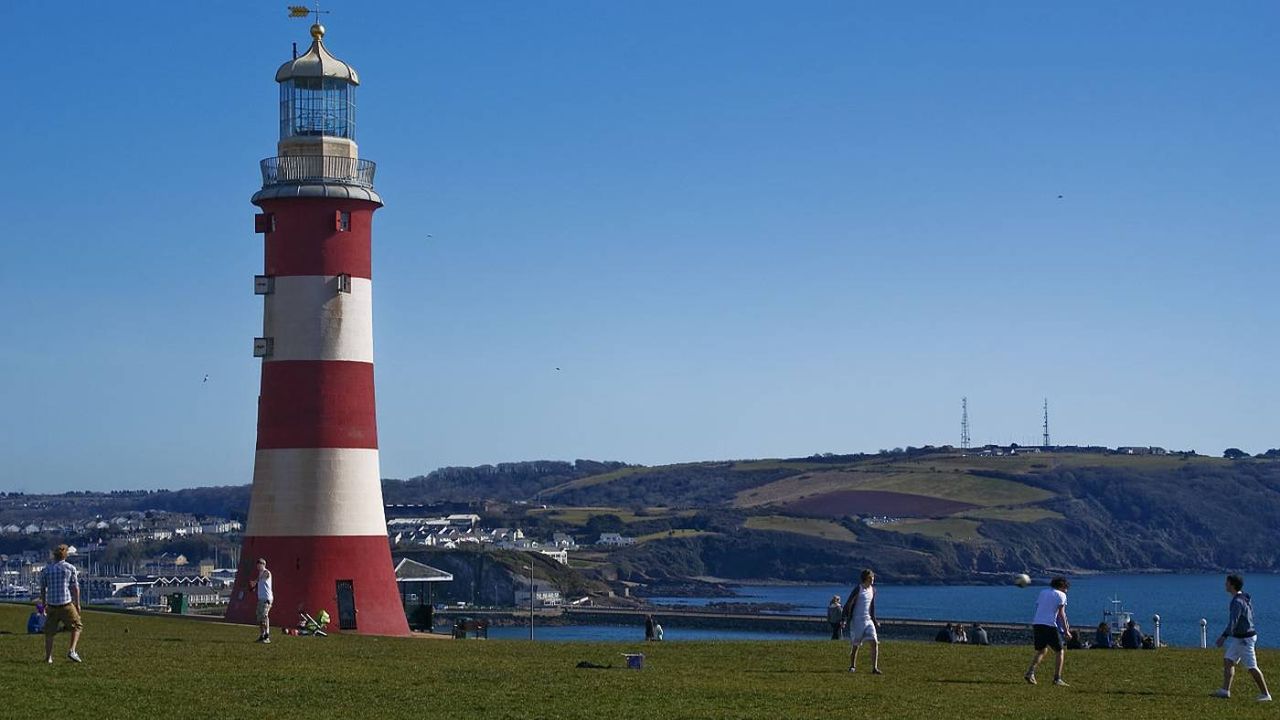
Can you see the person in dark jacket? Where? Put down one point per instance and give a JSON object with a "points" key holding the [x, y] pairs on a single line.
{"points": [[835, 616], [1131, 639], [649, 631], [1239, 639], [1102, 638], [946, 634]]}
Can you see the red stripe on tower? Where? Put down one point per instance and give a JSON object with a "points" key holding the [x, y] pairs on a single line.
{"points": [[317, 404], [316, 514]]}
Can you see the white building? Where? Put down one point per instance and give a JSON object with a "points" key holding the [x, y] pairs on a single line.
{"points": [[615, 539]]}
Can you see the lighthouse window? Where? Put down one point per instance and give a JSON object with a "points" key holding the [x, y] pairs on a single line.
{"points": [[343, 221], [311, 106], [344, 283]]}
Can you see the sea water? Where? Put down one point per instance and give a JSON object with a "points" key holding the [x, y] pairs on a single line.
{"points": [[1180, 600]]}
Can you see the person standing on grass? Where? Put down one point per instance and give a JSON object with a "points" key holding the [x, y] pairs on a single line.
{"points": [[60, 594], [835, 616], [1239, 638], [1050, 620], [860, 614], [265, 598]]}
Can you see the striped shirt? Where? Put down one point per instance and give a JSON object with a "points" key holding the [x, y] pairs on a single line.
{"points": [[56, 581]]}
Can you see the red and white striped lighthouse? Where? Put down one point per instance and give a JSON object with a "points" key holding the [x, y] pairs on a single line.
{"points": [[316, 512]]}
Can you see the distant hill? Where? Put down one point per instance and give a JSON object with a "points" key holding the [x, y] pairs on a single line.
{"points": [[930, 515], [921, 514]]}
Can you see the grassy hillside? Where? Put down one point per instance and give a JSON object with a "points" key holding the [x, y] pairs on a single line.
{"points": [[150, 666], [933, 515]]}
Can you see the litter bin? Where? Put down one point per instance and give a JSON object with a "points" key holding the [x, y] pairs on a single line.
{"points": [[178, 603]]}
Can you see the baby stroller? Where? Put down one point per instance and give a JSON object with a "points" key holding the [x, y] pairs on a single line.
{"points": [[308, 625]]}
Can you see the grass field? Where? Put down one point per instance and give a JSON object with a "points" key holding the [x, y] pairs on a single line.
{"points": [[580, 515], [1011, 514], [813, 527], [951, 528], [149, 666], [673, 534], [960, 487]]}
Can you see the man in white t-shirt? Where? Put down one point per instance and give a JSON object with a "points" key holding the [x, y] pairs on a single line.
{"points": [[1048, 627], [265, 597], [860, 614]]}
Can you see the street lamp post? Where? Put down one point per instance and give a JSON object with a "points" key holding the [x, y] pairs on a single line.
{"points": [[529, 567]]}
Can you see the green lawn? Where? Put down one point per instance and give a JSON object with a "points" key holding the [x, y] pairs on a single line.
{"points": [[155, 667]]}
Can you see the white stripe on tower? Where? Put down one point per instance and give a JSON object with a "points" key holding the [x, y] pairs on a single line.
{"points": [[310, 320], [316, 491]]}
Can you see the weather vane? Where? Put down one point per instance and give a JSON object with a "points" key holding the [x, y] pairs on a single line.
{"points": [[301, 11]]}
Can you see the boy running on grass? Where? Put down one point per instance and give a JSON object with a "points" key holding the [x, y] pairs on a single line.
{"points": [[860, 614], [1239, 638], [1050, 619]]}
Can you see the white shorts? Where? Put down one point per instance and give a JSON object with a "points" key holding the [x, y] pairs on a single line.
{"points": [[1240, 652], [860, 632]]}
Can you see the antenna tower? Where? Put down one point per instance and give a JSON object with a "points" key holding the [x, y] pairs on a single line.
{"points": [[1045, 440], [964, 423]]}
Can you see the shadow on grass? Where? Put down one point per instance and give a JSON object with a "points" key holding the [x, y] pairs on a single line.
{"points": [[957, 681], [789, 671]]}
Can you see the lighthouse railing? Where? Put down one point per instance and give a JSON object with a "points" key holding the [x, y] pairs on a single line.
{"points": [[303, 169]]}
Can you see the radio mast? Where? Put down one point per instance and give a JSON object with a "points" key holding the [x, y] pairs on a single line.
{"points": [[1045, 439]]}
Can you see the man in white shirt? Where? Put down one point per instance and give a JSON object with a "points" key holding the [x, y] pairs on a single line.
{"points": [[265, 597], [1049, 625]]}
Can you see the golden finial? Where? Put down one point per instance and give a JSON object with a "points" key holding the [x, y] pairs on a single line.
{"points": [[317, 32]]}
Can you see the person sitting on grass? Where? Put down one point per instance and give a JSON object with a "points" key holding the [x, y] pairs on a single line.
{"points": [[35, 622], [980, 635], [960, 635], [1102, 638], [1132, 637], [946, 634]]}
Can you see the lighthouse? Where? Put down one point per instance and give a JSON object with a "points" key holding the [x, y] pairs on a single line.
{"points": [[316, 513]]}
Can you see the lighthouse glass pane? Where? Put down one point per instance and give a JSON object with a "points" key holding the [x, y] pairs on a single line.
{"points": [[317, 106]]}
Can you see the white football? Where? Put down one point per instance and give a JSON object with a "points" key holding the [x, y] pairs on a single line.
{"points": [[1022, 579]]}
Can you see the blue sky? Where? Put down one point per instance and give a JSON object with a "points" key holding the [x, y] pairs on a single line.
{"points": [[746, 229]]}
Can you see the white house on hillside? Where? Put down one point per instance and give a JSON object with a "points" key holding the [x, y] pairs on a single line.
{"points": [[613, 538]]}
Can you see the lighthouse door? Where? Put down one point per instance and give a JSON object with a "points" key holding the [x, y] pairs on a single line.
{"points": [[346, 605]]}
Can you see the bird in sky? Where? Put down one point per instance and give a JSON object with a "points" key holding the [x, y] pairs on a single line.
{"points": [[1059, 197], [205, 380]]}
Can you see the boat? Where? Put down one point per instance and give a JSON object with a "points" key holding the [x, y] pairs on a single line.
{"points": [[1116, 617]]}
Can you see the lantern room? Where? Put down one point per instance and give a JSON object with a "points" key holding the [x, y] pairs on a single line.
{"points": [[317, 102]]}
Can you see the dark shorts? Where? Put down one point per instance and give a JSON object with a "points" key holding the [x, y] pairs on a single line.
{"points": [[1046, 636]]}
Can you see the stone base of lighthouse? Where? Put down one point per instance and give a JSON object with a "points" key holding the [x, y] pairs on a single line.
{"points": [[314, 573]]}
